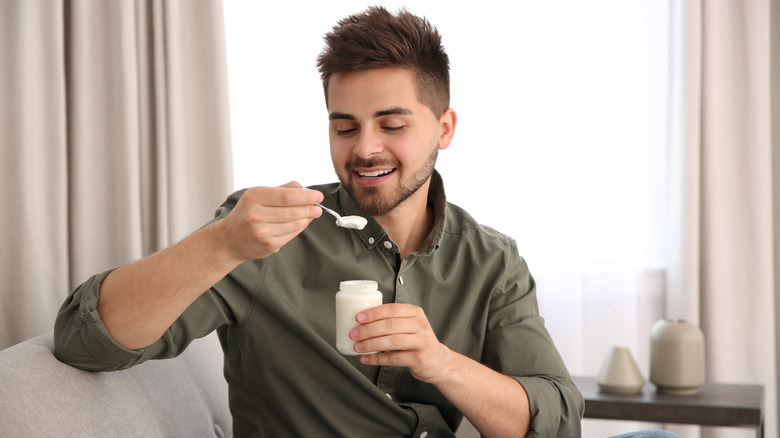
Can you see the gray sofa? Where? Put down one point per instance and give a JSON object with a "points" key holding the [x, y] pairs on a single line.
{"points": [[182, 397]]}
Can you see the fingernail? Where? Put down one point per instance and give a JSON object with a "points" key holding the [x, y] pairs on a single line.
{"points": [[353, 333], [359, 347], [361, 317]]}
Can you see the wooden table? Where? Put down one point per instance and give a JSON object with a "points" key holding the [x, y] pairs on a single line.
{"points": [[715, 404]]}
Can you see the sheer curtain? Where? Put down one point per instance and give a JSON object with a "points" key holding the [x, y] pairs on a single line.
{"points": [[727, 214], [561, 143], [115, 141]]}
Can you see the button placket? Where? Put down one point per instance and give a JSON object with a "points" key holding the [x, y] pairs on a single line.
{"points": [[388, 379]]}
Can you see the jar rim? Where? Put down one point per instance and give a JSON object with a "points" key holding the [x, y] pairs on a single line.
{"points": [[358, 286]]}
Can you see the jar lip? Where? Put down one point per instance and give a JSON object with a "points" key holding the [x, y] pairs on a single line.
{"points": [[358, 286]]}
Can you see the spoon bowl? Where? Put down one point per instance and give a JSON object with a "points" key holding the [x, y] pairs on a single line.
{"points": [[350, 222]]}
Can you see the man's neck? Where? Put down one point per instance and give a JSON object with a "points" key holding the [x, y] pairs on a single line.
{"points": [[410, 222]]}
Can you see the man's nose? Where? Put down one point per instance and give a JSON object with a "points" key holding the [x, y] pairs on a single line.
{"points": [[368, 143]]}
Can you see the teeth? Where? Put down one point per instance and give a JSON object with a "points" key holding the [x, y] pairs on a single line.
{"points": [[374, 174]]}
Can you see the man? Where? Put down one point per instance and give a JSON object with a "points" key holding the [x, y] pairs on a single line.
{"points": [[459, 333]]}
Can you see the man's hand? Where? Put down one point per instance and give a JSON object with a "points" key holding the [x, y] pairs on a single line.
{"points": [[266, 218], [496, 404], [139, 301], [404, 336]]}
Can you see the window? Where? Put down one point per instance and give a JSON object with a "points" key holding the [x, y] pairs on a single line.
{"points": [[561, 141]]}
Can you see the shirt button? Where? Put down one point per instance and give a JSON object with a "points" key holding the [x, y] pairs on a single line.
{"points": [[389, 396], [423, 435], [401, 280], [388, 245], [371, 240]]}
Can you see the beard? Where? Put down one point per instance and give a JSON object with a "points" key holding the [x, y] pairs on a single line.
{"points": [[371, 201]]}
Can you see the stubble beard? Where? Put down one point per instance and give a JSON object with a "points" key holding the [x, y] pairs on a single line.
{"points": [[371, 201]]}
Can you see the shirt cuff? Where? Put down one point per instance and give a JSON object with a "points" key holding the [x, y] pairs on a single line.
{"points": [[548, 417], [84, 342]]}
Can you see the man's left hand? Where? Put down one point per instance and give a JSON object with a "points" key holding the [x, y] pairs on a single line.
{"points": [[403, 336]]}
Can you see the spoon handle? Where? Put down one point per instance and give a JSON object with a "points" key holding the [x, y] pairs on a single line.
{"points": [[336, 215]]}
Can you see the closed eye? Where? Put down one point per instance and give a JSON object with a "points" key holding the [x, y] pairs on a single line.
{"points": [[393, 128], [346, 131]]}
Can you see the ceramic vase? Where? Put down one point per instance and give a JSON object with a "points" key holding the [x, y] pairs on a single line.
{"points": [[676, 357], [619, 374]]}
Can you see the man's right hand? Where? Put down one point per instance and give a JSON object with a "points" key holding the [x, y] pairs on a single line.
{"points": [[139, 301], [266, 218]]}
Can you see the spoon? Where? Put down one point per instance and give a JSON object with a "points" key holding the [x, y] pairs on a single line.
{"points": [[351, 222]]}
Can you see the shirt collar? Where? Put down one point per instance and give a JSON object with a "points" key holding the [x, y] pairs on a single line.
{"points": [[373, 234], [438, 200]]}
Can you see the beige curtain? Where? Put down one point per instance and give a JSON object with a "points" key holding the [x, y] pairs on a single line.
{"points": [[725, 194], [114, 128]]}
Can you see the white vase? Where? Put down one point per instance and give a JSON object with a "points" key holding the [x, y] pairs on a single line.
{"points": [[619, 374], [676, 357]]}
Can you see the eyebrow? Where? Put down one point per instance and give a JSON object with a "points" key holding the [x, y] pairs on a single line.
{"points": [[390, 111]]}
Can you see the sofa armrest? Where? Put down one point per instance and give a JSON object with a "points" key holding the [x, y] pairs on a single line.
{"points": [[182, 397]]}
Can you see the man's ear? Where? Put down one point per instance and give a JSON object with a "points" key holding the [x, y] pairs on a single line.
{"points": [[447, 123]]}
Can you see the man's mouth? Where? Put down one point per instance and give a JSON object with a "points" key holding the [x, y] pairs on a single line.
{"points": [[375, 173]]}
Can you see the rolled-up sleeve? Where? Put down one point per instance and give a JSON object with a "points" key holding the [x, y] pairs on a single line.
{"points": [[518, 344], [81, 340]]}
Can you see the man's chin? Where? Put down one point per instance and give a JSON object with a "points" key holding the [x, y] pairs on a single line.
{"points": [[369, 199], [374, 204]]}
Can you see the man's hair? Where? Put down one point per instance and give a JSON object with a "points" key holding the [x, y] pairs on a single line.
{"points": [[376, 39]]}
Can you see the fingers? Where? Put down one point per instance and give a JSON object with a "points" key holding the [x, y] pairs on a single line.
{"points": [[283, 230], [261, 213], [293, 185], [280, 204], [396, 343], [392, 327], [390, 310], [266, 218], [288, 195], [400, 335]]}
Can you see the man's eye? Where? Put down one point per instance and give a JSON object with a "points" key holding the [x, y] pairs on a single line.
{"points": [[345, 131], [393, 128]]}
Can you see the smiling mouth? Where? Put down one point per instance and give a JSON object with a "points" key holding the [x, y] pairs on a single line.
{"points": [[375, 174]]}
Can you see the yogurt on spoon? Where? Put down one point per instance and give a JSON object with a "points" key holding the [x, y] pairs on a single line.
{"points": [[350, 222]]}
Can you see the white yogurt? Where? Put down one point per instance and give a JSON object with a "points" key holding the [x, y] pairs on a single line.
{"points": [[353, 296], [352, 222]]}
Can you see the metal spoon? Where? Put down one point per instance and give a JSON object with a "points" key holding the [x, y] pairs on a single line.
{"points": [[351, 222]]}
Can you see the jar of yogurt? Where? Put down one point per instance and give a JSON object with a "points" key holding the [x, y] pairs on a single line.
{"points": [[353, 296]]}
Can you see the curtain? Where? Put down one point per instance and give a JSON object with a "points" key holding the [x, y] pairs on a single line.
{"points": [[725, 168], [115, 139]]}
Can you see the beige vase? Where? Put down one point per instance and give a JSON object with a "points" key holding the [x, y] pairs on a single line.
{"points": [[676, 357], [619, 374]]}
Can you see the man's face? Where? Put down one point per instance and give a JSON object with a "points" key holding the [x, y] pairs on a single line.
{"points": [[383, 141]]}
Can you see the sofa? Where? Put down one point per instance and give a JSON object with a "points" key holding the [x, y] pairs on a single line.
{"points": [[182, 397]]}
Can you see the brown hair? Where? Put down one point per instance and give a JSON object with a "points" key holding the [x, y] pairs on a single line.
{"points": [[376, 38]]}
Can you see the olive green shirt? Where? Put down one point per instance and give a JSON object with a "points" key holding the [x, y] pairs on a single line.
{"points": [[276, 321]]}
